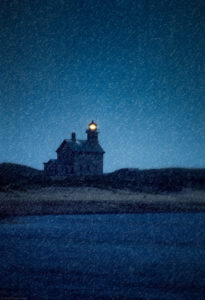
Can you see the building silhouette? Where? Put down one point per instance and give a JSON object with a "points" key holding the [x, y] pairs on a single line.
{"points": [[77, 157]]}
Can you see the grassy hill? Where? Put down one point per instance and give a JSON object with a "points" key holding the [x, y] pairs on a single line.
{"points": [[153, 180], [168, 179], [11, 173]]}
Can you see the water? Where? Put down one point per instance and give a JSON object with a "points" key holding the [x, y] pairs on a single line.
{"points": [[130, 256]]}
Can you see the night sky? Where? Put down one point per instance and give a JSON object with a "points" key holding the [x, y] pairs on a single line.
{"points": [[135, 67]]}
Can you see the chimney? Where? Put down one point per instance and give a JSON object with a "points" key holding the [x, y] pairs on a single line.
{"points": [[73, 137]]}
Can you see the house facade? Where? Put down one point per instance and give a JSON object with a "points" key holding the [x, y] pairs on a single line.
{"points": [[77, 157]]}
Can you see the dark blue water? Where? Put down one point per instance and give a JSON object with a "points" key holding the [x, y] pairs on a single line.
{"points": [[136, 256]]}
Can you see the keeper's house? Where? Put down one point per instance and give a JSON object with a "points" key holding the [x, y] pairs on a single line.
{"points": [[77, 157]]}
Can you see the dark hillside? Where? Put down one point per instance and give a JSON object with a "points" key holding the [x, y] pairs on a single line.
{"points": [[11, 173], [153, 180], [168, 179]]}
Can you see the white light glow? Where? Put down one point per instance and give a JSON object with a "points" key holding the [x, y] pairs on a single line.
{"points": [[92, 126]]}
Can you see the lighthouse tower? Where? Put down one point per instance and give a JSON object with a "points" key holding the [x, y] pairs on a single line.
{"points": [[92, 133]]}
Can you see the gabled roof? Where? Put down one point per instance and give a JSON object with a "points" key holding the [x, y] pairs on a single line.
{"points": [[51, 161], [82, 146]]}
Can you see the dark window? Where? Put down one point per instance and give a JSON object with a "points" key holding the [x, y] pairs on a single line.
{"points": [[88, 168]]}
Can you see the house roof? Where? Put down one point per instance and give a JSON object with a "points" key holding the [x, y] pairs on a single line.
{"points": [[51, 161], [82, 146]]}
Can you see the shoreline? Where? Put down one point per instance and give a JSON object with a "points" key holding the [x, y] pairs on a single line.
{"points": [[82, 200]]}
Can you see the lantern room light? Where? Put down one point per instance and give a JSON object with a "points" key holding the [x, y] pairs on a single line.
{"points": [[92, 126]]}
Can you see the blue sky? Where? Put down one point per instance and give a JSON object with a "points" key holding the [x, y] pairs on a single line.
{"points": [[135, 67]]}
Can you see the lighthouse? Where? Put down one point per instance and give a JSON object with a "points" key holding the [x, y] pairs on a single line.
{"points": [[78, 157]]}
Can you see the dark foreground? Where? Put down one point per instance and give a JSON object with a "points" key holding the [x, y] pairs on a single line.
{"points": [[129, 256]]}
